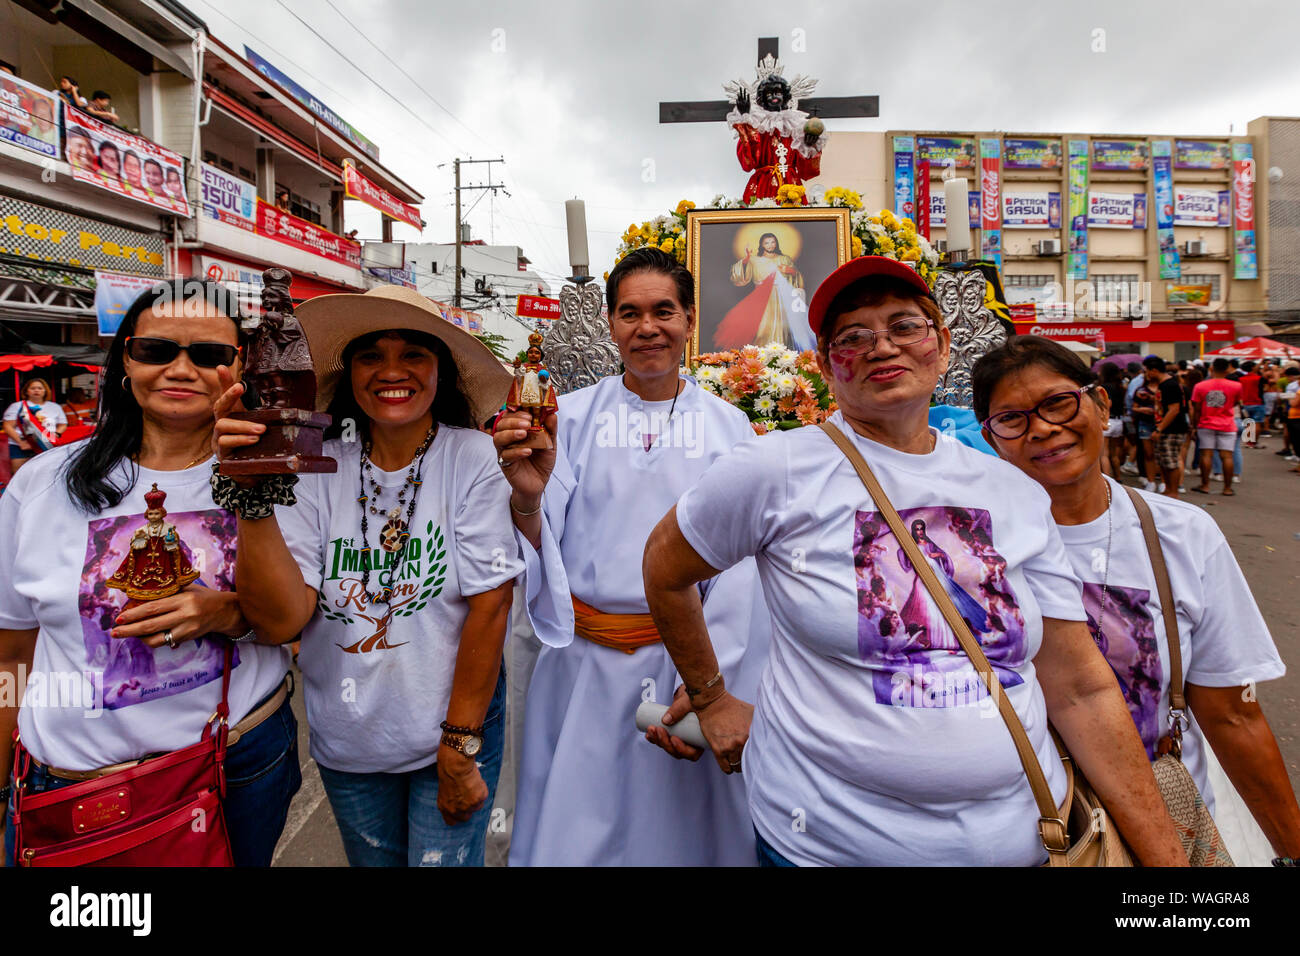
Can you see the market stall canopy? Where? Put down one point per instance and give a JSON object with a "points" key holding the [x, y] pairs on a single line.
{"points": [[1257, 348]]}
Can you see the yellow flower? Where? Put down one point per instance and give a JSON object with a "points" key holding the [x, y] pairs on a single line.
{"points": [[790, 195], [911, 255], [884, 244], [857, 247], [606, 276], [684, 206], [887, 220], [838, 195], [909, 228], [666, 246]]}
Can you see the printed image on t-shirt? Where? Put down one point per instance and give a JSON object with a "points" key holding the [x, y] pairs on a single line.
{"points": [[134, 672], [1128, 642], [1216, 398], [915, 656]]}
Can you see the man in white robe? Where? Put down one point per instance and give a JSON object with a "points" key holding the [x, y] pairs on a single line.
{"points": [[592, 790]]}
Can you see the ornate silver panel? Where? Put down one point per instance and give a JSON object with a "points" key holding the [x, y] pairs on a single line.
{"points": [[975, 330], [577, 348]]}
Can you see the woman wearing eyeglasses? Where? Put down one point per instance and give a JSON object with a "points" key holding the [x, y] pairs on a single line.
{"points": [[872, 740], [151, 676], [1043, 412]]}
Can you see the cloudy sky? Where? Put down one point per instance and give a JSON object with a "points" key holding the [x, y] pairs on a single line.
{"points": [[567, 91]]}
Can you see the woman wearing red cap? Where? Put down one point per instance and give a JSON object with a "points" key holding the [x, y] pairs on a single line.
{"points": [[866, 743]]}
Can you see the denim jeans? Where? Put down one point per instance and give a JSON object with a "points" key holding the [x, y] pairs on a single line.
{"points": [[768, 855], [392, 819], [262, 775]]}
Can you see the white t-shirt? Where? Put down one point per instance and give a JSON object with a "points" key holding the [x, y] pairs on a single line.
{"points": [[51, 416], [378, 678], [1222, 636], [94, 700], [874, 742]]}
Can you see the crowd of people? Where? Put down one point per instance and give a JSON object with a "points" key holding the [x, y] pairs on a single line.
{"points": [[1174, 419], [663, 553]]}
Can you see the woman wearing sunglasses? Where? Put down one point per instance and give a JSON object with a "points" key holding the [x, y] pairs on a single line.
{"points": [[1043, 412], [150, 676], [870, 719]]}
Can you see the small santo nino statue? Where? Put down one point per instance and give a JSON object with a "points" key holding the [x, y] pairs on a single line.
{"points": [[156, 564], [532, 389]]}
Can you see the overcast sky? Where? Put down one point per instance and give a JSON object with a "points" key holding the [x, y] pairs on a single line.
{"points": [[567, 91]]}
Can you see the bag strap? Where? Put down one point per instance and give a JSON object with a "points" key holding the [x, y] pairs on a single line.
{"points": [[1156, 553], [1051, 827]]}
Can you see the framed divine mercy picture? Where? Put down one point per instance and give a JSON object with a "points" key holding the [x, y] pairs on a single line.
{"points": [[756, 270]]}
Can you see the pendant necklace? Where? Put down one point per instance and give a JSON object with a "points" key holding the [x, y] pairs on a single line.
{"points": [[395, 533]]}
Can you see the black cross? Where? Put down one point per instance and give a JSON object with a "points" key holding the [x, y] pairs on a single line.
{"points": [[715, 111]]}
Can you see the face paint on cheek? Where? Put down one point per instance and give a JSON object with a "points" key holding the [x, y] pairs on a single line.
{"points": [[842, 366]]}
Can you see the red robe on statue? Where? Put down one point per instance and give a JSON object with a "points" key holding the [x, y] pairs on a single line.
{"points": [[772, 147]]}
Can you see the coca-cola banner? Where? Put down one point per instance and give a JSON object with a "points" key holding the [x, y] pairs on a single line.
{"points": [[111, 158], [991, 199], [1163, 175], [1077, 264], [287, 228], [1243, 212], [939, 207], [1031, 209]]}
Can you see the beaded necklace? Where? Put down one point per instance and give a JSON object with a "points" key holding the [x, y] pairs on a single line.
{"points": [[395, 534]]}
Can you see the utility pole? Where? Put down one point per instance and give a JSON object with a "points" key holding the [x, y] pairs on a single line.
{"points": [[456, 164]]}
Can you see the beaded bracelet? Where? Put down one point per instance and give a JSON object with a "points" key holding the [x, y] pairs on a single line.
{"points": [[254, 501]]}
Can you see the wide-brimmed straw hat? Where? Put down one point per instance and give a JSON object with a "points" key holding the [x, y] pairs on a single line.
{"points": [[330, 322]]}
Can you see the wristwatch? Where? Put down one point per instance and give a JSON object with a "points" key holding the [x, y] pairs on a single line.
{"points": [[465, 740]]}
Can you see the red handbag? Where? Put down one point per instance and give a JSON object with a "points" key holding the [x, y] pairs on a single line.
{"points": [[164, 811]]}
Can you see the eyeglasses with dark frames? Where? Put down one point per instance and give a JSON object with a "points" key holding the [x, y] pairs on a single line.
{"points": [[154, 351], [1056, 409], [860, 341]]}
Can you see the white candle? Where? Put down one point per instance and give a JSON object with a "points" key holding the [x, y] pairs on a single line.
{"points": [[958, 211], [575, 213]]}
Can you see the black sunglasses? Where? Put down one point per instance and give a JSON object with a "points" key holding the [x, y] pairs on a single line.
{"points": [[151, 351]]}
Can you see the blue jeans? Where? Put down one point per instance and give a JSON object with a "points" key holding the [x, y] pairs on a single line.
{"points": [[392, 819], [262, 775], [767, 854]]}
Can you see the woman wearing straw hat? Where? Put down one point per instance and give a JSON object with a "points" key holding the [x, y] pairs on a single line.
{"points": [[398, 570]]}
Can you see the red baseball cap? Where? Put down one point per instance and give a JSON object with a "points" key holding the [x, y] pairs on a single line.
{"points": [[860, 268]]}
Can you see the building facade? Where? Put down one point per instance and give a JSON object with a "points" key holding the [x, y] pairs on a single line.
{"points": [[1134, 242]]}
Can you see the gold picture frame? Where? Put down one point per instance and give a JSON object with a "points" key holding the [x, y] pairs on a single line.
{"points": [[715, 238]]}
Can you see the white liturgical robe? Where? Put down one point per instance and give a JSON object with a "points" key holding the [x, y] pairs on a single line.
{"points": [[592, 790]]}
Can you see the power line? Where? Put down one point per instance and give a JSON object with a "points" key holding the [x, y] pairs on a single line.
{"points": [[398, 66], [348, 60]]}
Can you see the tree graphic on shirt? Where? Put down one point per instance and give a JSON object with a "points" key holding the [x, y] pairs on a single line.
{"points": [[435, 551]]}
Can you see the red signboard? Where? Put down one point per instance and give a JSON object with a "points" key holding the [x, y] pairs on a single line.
{"points": [[357, 186], [1217, 331], [301, 234], [537, 307]]}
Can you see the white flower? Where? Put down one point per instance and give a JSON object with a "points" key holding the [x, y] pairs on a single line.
{"points": [[764, 404], [770, 351], [785, 386], [765, 203], [706, 374], [786, 359], [877, 229]]}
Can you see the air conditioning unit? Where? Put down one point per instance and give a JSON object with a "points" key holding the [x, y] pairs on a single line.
{"points": [[940, 245], [1195, 247], [1048, 247]]}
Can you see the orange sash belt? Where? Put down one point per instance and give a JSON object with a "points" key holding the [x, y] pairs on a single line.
{"points": [[622, 632]]}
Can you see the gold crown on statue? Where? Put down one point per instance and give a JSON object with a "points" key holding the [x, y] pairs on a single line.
{"points": [[535, 340]]}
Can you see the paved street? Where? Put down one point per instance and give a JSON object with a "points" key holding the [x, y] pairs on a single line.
{"points": [[1262, 523]]}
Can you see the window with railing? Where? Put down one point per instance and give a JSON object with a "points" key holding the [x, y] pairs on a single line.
{"points": [[1208, 278]]}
